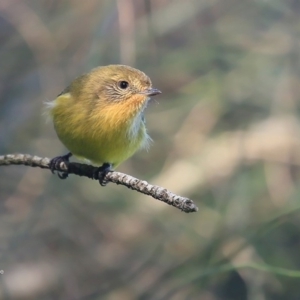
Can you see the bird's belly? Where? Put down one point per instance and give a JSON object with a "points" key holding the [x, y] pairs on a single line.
{"points": [[102, 148]]}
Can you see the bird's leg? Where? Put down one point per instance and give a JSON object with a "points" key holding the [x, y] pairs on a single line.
{"points": [[102, 171], [55, 163]]}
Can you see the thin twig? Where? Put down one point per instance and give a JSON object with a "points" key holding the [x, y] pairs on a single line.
{"points": [[89, 171]]}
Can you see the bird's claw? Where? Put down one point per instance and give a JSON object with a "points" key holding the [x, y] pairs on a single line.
{"points": [[101, 173], [56, 162]]}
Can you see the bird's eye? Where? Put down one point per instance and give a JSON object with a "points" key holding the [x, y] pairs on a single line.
{"points": [[123, 85]]}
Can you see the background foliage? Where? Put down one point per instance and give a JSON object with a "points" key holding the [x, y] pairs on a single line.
{"points": [[226, 133]]}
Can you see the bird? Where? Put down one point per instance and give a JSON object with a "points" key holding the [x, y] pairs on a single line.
{"points": [[99, 117]]}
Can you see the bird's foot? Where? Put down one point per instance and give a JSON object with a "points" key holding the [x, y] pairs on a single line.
{"points": [[101, 173], [55, 163]]}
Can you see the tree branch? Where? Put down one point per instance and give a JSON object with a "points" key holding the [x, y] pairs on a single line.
{"points": [[89, 171]]}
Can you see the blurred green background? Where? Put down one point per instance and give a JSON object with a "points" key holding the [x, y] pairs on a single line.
{"points": [[226, 134]]}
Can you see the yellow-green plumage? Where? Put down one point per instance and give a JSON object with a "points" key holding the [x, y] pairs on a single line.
{"points": [[98, 120]]}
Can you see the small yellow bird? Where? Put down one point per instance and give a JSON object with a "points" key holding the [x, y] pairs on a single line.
{"points": [[99, 116]]}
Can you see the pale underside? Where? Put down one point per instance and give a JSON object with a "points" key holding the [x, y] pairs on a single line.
{"points": [[105, 136]]}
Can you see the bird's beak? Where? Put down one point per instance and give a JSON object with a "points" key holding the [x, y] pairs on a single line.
{"points": [[151, 92]]}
